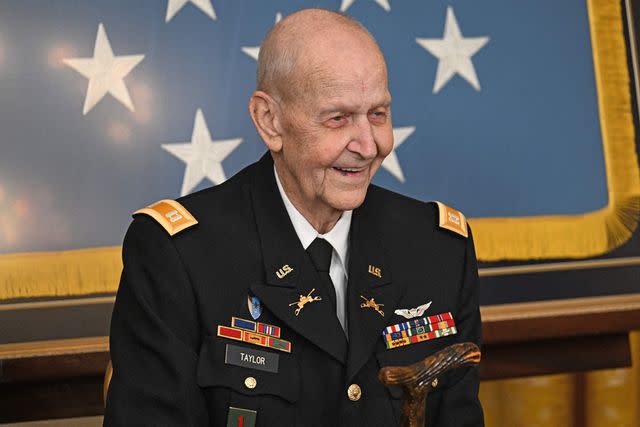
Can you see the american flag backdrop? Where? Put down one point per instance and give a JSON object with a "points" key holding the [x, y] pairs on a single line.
{"points": [[107, 106]]}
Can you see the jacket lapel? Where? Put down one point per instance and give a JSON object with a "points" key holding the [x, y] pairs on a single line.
{"points": [[289, 273], [369, 277]]}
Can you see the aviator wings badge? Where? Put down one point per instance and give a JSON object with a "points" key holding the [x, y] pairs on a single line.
{"points": [[410, 313]]}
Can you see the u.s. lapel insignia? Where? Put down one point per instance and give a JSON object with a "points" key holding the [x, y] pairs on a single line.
{"points": [[283, 271], [376, 271], [410, 313], [371, 303], [304, 300], [255, 308], [240, 417]]}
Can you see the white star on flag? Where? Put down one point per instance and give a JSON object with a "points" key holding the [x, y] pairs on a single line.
{"points": [[254, 51], [346, 4], [174, 7], [391, 162], [202, 156], [454, 53], [105, 72]]}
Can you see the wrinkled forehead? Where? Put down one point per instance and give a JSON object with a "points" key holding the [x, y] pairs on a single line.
{"points": [[344, 71], [331, 85]]}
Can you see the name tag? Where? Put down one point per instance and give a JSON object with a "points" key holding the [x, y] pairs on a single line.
{"points": [[251, 358]]}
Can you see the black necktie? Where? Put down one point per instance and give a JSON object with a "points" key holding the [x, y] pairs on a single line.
{"points": [[320, 253]]}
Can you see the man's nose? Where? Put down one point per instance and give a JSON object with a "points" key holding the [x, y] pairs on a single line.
{"points": [[363, 141]]}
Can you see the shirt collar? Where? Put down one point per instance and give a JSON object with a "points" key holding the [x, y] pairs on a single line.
{"points": [[338, 236]]}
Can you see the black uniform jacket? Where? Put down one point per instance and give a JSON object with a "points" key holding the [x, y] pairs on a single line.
{"points": [[169, 364]]}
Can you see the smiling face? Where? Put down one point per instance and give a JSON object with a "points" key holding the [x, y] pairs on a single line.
{"points": [[336, 125]]}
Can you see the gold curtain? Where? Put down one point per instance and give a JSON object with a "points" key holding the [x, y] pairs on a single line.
{"points": [[595, 399]]}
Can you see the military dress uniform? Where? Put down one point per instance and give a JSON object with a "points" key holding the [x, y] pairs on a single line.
{"points": [[187, 347]]}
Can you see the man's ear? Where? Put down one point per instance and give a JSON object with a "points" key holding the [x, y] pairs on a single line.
{"points": [[265, 113]]}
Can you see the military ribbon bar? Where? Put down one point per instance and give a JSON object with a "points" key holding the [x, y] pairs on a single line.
{"points": [[254, 338], [414, 323], [261, 328], [274, 331], [399, 339]]}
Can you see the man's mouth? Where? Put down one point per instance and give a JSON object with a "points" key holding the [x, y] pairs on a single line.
{"points": [[348, 171]]}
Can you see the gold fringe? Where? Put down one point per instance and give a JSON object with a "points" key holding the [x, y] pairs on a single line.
{"points": [[597, 232], [56, 274]]}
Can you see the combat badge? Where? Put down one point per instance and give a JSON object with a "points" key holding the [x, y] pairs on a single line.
{"points": [[255, 308], [240, 417]]}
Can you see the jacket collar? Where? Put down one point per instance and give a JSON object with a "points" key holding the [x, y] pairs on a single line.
{"points": [[284, 286], [370, 277], [338, 236]]}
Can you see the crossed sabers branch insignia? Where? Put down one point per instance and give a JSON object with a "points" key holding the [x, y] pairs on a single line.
{"points": [[372, 303], [303, 300]]}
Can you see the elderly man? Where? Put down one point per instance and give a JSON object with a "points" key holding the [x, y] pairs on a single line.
{"points": [[274, 298]]}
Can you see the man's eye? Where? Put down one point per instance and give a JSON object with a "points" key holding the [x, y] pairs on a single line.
{"points": [[379, 116], [338, 120]]}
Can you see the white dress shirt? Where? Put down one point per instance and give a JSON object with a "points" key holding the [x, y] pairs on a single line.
{"points": [[338, 237]]}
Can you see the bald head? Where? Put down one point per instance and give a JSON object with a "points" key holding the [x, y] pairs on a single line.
{"points": [[297, 47]]}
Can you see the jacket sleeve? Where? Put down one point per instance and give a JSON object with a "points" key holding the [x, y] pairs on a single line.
{"points": [[460, 405], [154, 336]]}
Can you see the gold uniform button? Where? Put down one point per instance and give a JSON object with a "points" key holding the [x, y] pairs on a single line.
{"points": [[434, 383], [250, 382], [354, 392]]}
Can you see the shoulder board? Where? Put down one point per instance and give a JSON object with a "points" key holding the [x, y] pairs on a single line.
{"points": [[452, 219], [169, 214]]}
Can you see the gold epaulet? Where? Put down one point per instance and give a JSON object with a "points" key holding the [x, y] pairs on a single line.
{"points": [[453, 220], [169, 214]]}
